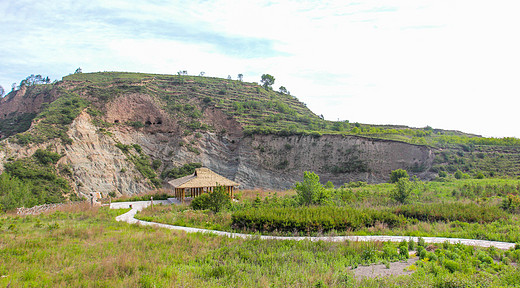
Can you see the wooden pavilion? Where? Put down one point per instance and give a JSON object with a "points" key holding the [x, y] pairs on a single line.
{"points": [[202, 181]]}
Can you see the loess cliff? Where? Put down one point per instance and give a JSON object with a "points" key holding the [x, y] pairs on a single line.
{"points": [[118, 132]]}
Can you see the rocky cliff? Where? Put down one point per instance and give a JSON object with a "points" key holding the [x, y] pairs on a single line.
{"points": [[216, 139]]}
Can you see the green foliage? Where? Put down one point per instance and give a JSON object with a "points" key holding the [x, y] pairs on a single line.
{"points": [[16, 124], [135, 124], [310, 191], [201, 202], [215, 201], [123, 147], [311, 219], [443, 174], [267, 81], [32, 181], [511, 203], [15, 193], [156, 164], [464, 212], [143, 165], [459, 175], [402, 191], [46, 157], [53, 120], [178, 172], [141, 161], [398, 174]]}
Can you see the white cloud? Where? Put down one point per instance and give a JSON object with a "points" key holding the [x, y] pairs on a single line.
{"points": [[448, 64]]}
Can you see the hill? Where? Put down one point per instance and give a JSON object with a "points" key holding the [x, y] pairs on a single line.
{"points": [[125, 133]]}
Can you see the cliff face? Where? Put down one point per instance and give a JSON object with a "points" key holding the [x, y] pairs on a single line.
{"points": [[258, 161]]}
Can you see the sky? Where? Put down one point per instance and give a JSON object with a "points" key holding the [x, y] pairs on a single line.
{"points": [[448, 64]]}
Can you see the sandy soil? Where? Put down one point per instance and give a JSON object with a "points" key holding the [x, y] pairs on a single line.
{"points": [[380, 270]]}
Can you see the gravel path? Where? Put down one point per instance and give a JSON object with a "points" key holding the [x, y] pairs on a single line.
{"points": [[138, 206]]}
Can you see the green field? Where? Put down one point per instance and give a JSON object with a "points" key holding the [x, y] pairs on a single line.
{"points": [[84, 247]]}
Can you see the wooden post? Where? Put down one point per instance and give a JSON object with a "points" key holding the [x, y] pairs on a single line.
{"points": [[183, 194], [151, 201]]}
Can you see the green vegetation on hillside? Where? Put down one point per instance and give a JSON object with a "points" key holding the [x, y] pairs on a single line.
{"points": [[32, 181], [142, 162], [52, 122]]}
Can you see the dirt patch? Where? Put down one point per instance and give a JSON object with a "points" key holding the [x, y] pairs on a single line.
{"points": [[380, 270]]}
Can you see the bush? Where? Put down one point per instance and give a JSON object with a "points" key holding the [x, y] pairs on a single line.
{"points": [[398, 174], [156, 164], [45, 156], [200, 202], [178, 172], [459, 175], [511, 203], [451, 265], [215, 201], [464, 212], [402, 191], [312, 219], [310, 191]]}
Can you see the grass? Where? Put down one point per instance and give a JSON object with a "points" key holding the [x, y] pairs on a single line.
{"points": [[84, 247]]}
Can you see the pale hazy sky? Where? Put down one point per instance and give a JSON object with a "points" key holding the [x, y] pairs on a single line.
{"points": [[448, 64]]}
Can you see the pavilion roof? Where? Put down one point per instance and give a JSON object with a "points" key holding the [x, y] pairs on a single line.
{"points": [[203, 177]]}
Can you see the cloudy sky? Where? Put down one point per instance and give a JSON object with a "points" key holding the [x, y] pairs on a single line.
{"points": [[451, 64]]}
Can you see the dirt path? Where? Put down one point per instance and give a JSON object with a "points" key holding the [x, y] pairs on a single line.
{"points": [[137, 206]]}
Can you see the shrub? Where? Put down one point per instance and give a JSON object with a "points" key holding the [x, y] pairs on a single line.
{"points": [[312, 219], [135, 124], [398, 174], [156, 164], [479, 175], [511, 203], [215, 201], [443, 174], [403, 250], [200, 202], [459, 175], [451, 265], [178, 172], [402, 191], [45, 156], [310, 191], [464, 212]]}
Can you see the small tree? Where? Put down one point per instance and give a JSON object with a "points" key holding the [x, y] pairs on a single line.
{"points": [[215, 201], [402, 191], [310, 191], [240, 77], [267, 81], [282, 90], [398, 174], [201, 74], [78, 71], [2, 91]]}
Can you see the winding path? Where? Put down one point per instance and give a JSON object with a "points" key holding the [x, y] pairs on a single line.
{"points": [[138, 206]]}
